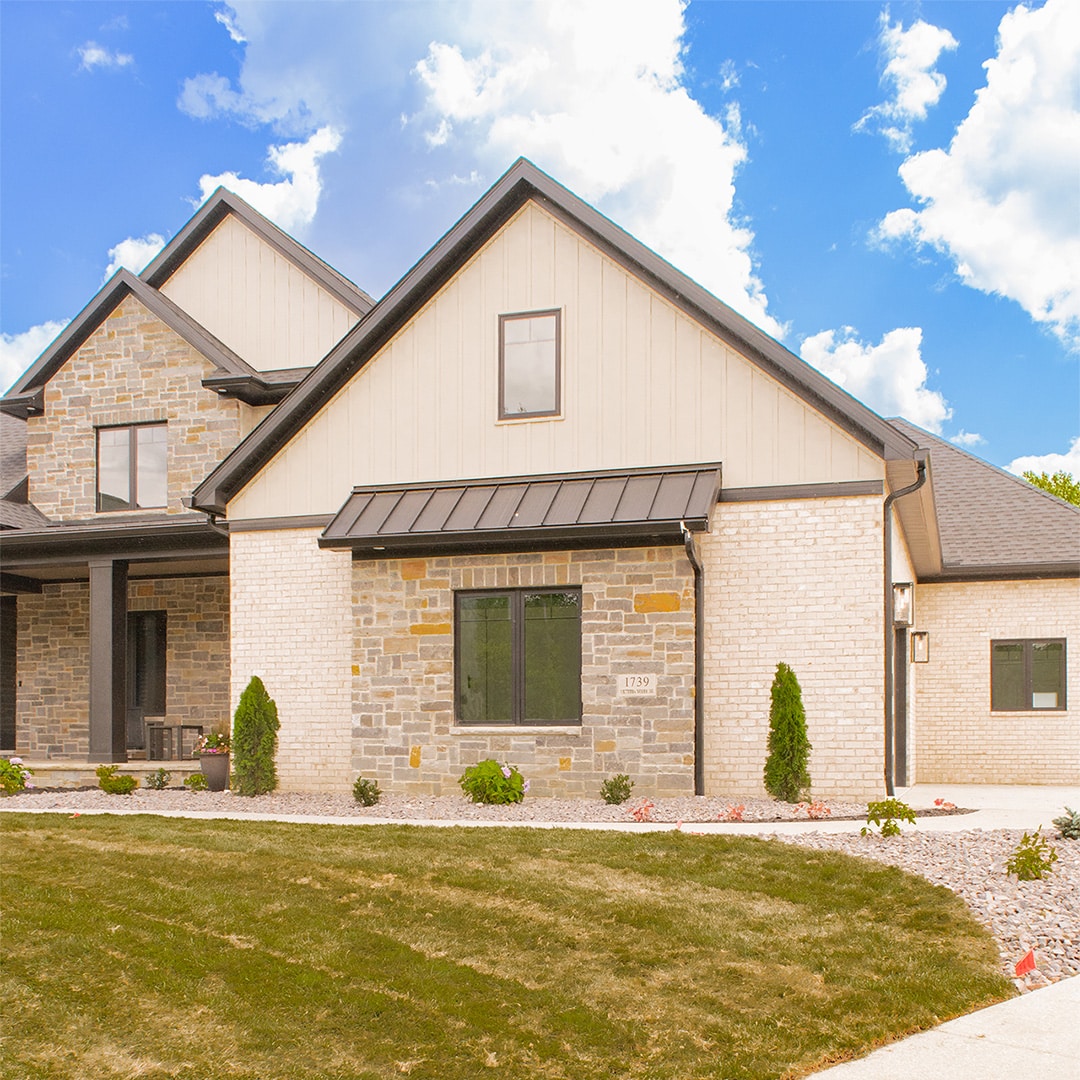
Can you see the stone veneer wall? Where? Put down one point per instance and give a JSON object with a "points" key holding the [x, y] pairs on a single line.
{"points": [[52, 698], [959, 739], [133, 369], [291, 615], [637, 617], [797, 581]]}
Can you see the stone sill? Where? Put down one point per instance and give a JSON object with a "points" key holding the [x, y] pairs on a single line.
{"points": [[515, 729]]}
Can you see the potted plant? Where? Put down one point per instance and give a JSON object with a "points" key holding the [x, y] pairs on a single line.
{"points": [[213, 753]]}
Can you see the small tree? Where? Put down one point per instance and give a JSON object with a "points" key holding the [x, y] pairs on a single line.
{"points": [[254, 741], [786, 774], [1062, 484]]}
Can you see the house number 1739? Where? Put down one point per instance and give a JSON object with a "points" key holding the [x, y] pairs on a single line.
{"points": [[636, 684]]}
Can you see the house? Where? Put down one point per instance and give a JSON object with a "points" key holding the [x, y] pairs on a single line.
{"points": [[548, 500]]}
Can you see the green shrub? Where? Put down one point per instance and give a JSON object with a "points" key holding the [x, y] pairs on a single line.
{"points": [[366, 792], [786, 774], [14, 776], [195, 782], [112, 784], [1069, 824], [1033, 858], [617, 789], [885, 814], [159, 780], [490, 782], [254, 741]]}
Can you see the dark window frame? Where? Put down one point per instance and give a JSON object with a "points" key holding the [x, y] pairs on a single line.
{"points": [[517, 664], [1028, 645], [133, 467], [516, 316]]}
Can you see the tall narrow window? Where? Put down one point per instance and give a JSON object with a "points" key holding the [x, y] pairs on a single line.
{"points": [[518, 657], [131, 467], [529, 378], [1027, 674]]}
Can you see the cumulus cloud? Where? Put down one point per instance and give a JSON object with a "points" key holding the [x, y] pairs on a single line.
{"points": [[92, 55], [910, 56], [19, 351], [227, 19], [598, 100], [967, 438], [889, 377], [292, 201], [1049, 463], [134, 253], [1001, 202]]}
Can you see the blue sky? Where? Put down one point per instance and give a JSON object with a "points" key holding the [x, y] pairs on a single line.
{"points": [[892, 191]]}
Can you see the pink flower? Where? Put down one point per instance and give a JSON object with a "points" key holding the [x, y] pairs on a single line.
{"points": [[15, 760], [506, 771], [525, 787]]}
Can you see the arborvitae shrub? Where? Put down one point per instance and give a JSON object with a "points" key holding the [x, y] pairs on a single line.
{"points": [[254, 741], [786, 774]]}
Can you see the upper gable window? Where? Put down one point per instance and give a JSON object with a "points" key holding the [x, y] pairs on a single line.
{"points": [[131, 467], [529, 378]]}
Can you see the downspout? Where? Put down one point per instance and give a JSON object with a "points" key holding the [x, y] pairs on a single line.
{"points": [[699, 660], [890, 705]]}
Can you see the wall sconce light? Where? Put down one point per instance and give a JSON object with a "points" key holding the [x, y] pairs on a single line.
{"points": [[903, 603], [920, 646]]}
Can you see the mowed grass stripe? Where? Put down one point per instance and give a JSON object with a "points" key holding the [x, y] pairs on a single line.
{"points": [[162, 947]]}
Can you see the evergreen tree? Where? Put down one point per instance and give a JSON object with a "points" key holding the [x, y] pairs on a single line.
{"points": [[786, 774], [254, 741]]}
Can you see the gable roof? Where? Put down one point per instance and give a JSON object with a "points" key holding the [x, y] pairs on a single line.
{"points": [[521, 183], [993, 525], [528, 512], [27, 395], [223, 203]]}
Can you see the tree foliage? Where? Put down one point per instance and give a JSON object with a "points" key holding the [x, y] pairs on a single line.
{"points": [[254, 741], [1061, 484], [786, 773]]}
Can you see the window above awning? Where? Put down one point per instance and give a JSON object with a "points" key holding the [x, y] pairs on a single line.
{"points": [[563, 510]]}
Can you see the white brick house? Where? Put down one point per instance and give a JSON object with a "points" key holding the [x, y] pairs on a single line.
{"points": [[548, 500]]}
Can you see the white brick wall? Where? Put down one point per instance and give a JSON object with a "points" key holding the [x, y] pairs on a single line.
{"points": [[798, 582], [291, 607], [958, 738]]}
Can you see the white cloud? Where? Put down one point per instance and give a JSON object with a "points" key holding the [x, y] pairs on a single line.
{"points": [[889, 377], [134, 253], [1001, 201], [595, 96], [967, 438], [227, 18], [19, 351], [1049, 463], [206, 96], [291, 202], [910, 56], [92, 55]]}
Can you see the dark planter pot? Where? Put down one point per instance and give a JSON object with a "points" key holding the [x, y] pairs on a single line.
{"points": [[215, 767]]}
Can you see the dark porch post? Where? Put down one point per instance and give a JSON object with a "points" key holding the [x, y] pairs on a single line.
{"points": [[108, 659]]}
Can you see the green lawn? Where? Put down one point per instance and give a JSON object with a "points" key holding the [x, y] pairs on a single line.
{"points": [[148, 947]]}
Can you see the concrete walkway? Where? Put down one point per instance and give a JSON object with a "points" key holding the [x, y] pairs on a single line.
{"points": [[1035, 1035]]}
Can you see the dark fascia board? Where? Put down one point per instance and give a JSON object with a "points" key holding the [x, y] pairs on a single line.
{"points": [[258, 388], [26, 395], [779, 493], [15, 583], [212, 212], [157, 538], [522, 182], [1002, 572]]}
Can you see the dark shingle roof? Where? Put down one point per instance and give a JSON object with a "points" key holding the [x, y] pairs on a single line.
{"points": [[994, 524], [12, 453]]}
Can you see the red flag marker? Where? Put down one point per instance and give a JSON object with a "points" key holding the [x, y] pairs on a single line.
{"points": [[1026, 964]]}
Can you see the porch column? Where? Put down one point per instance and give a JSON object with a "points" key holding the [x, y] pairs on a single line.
{"points": [[108, 659]]}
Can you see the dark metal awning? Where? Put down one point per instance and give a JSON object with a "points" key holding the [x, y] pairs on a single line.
{"points": [[563, 510]]}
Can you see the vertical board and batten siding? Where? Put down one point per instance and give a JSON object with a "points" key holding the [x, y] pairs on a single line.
{"points": [[642, 384], [253, 299]]}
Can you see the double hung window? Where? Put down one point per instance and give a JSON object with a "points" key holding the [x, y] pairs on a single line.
{"points": [[131, 467], [518, 656], [1026, 674]]}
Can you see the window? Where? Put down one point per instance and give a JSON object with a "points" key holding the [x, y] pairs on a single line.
{"points": [[529, 381], [131, 471], [1027, 674], [518, 657]]}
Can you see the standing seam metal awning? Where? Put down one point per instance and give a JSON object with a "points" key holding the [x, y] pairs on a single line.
{"points": [[560, 510]]}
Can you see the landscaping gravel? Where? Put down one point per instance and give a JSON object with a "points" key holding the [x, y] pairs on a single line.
{"points": [[1040, 915]]}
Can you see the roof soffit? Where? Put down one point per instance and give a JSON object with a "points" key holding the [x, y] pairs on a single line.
{"points": [[523, 182]]}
